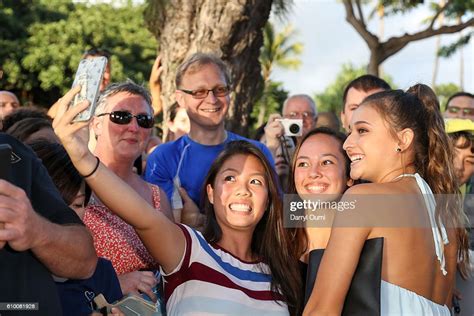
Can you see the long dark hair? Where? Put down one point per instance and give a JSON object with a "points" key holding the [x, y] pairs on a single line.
{"points": [[418, 109], [60, 168], [24, 128], [270, 242]]}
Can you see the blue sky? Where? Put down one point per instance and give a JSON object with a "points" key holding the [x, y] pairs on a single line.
{"points": [[329, 42]]}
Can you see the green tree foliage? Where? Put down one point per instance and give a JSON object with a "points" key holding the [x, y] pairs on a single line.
{"points": [[275, 95], [40, 62], [278, 50], [448, 50], [331, 98], [444, 91], [16, 18]]}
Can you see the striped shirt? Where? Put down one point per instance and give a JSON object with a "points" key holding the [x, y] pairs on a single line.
{"points": [[209, 280]]}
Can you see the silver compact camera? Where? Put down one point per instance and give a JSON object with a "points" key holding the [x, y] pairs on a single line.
{"points": [[292, 127]]}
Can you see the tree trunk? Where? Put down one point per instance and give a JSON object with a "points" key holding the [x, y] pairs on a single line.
{"points": [[381, 14], [461, 62], [231, 30], [380, 51], [262, 110], [436, 62], [438, 45], [461, 68], [373, 67]]}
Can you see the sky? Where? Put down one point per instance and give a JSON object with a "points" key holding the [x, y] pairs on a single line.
{"points": [[329, 42]]}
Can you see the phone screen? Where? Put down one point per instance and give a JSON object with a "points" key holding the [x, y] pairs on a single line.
{"points": [[5, 162], [89, 76]]}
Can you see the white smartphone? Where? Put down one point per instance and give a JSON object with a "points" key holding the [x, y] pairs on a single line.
{"points": [[89, 76]]}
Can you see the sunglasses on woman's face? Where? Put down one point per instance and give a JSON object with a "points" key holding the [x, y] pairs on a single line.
{"points": [[125, 117]]}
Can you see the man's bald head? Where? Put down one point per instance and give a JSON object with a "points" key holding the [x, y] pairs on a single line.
{"points": [[8, 102], [301, 106]]}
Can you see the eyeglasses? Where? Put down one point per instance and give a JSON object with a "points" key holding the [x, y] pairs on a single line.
{"points": [[220, 91], [303, 115], [124, 117], [456, 109]]}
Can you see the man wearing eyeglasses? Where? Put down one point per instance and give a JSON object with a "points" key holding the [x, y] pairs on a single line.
{"points": [[460, 105], [301, 106], [298, 106], [180, 166]]}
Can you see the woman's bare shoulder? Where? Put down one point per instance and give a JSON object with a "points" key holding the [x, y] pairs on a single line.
{"points": [[376, 188], [363, 188]]}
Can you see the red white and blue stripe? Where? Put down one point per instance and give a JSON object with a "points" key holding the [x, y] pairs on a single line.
{"points": [[209, 280]]}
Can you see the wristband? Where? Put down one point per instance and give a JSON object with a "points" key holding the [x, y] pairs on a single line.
{"points": [[95, 168]]}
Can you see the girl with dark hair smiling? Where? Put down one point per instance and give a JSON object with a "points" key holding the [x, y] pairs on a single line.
{"points": [[242, 264], [397, 142]]}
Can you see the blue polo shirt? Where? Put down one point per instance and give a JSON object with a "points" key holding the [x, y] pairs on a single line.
{"points": [[185, 162]]}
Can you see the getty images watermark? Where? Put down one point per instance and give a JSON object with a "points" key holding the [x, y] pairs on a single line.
{"points": [[368, 210], [313, 210], [314, 206]]}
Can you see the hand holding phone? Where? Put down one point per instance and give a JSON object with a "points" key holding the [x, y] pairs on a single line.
{"points": [[89, 76]]}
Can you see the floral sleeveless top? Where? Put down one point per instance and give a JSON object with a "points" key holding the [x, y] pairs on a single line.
{"points": [[116, 240]]}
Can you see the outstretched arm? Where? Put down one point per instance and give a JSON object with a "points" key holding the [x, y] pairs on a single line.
{"points": [[162, 238]]}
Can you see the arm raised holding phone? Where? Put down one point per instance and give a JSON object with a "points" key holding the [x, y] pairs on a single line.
{"points": [[151, 226]]}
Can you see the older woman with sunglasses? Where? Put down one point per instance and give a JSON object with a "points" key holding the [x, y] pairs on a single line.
{"points": [[122, 125]]}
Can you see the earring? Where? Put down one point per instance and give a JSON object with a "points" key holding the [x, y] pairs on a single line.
{"points": [[399, 149]]}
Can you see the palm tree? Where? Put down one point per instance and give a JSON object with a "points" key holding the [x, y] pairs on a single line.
{"points": [[437, 47], [277, 50]]}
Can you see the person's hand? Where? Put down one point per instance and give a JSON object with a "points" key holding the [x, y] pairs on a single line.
{"points": [[155, 84], [74, 136], [115, 311], [54, 109], [190, 214], [22, 226], [137, 282], [155, 73], [273, 131]]}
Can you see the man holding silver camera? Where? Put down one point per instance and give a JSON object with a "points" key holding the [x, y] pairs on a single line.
{"points": [[299, 117]]}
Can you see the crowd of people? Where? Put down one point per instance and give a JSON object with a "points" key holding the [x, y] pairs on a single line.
{"points": [[199, 224]]}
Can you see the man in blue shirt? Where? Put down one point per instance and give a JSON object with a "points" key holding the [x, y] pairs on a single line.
{"points": [[203, 88]]}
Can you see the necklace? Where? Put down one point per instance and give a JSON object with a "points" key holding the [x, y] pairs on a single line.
{"points": [[404, 175]]}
